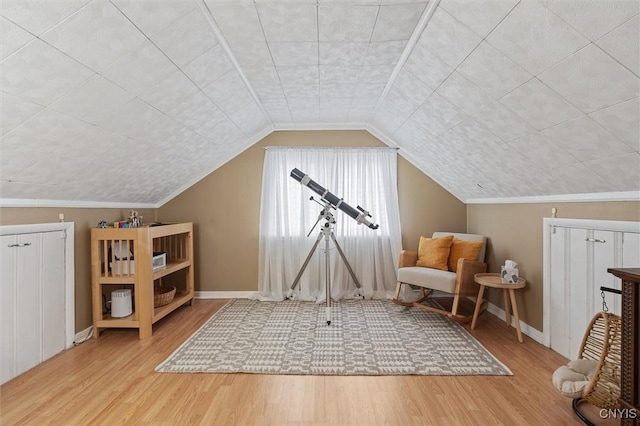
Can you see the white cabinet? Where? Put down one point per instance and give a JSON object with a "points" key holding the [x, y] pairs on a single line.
{"points": [[33, 300], [577, 256]]}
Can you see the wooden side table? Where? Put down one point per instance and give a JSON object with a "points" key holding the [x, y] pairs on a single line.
{"points": [[508, 291]]}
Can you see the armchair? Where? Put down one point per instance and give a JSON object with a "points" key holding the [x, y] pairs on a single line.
{"points": [[458, 281]]}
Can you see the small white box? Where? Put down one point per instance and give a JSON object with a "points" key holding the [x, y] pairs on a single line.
{"points": [[159, 260]]}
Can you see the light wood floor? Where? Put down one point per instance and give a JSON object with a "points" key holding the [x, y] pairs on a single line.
{"points": [[111, 380]]}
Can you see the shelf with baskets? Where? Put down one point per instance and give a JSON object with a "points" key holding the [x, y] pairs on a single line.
{"points": [[152, 265]]}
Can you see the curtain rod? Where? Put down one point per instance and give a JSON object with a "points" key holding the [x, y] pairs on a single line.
{"points": [[332, 147]]}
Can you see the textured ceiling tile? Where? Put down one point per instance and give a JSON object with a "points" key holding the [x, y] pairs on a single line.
{"points": [[492, 71], [368, 90], [153, 16], [579, 179], [591, 80], [238, 21], [139, 69], [209, 66], [15, 111], [96, 36], [623, 120], [464, 94], [298, 75], [408, 90], [187, 38], [289, 22], [193, 106], [41, 73], [341, 53], [426, 66], [471, 136], [259, 74], [14, 160], [389, 117], [251, 52], [480, 16], [342, 23], [131, 119], [413, 137], [623, 171], [541, 151], [337, 90], [47, 132], [113, 149], [584, 139], [250, 119], [12, 38], [448, 39], [26, 190], [502, 122], [229, 93], [267, 91], [301, 90], [535, 38], [397, 22], [294, 53], [594, 18], [340, 74], [307, 103], [170, 91], [539, 105], [204, 124], [623, 44], [375, 74], [384, 52], [93, 100], [227, 134], [438, 115], [39, 19]]}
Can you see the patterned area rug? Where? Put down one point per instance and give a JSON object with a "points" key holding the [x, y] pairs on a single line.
{"points": [[366, 337]]}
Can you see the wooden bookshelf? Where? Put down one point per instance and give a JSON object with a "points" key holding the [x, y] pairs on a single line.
{"points": [[123, 258]]}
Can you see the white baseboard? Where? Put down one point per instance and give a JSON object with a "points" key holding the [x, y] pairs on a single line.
{"points": [[223, 294], [524, 327]]}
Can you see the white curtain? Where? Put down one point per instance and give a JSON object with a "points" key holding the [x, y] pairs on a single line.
{"points": [[364, 177]]}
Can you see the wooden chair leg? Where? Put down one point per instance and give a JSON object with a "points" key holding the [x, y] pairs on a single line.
{"points": [[396, 296]]}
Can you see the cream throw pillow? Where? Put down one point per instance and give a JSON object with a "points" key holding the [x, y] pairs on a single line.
{"points": [[434, 252]]}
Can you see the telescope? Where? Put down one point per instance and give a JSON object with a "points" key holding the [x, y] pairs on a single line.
{"points": [[359, 215]]}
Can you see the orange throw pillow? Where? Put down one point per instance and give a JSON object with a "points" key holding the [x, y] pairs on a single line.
{"points": [[434, 252], [463, 249]]}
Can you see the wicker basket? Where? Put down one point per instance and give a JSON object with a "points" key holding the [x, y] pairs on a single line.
{"points": [[163, 295]]}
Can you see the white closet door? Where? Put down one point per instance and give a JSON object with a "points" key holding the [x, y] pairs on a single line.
{"points": [[53, 294], [7, 308], [579, 310], [32, 303], [559, 292]]}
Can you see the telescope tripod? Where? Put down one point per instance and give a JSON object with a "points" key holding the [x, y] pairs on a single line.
{"points": [[326, 233]]}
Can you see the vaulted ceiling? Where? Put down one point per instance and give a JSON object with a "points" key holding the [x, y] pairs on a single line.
{"points": [[133, 101]]}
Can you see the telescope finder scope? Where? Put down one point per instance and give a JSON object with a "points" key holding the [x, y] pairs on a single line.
{"points": [[359, 215]]}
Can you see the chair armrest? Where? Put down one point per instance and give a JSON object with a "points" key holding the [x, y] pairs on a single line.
{"points": [[408, 258], [465, 284]]}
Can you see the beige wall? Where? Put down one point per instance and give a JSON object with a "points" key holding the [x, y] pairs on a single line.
{"points": [[225, 209], [84, 220], [515, 232]]}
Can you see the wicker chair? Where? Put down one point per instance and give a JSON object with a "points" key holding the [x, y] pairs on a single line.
{"points": [[601, 348]]}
